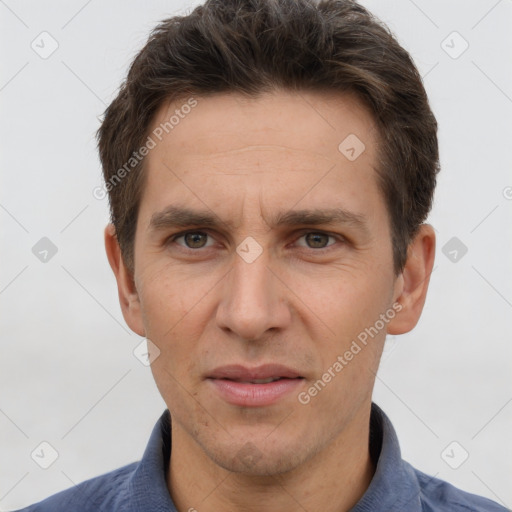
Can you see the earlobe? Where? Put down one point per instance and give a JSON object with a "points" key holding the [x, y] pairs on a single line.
{"points": [[127, 292], [414, 280]]}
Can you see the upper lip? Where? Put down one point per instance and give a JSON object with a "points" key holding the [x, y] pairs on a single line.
{"points": [[242, 373]]}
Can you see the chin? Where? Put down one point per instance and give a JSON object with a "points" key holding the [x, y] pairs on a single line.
{"points": [[258, 457]]}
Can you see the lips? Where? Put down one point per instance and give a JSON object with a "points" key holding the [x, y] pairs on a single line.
{"points": [[258, 375], [254, 387]]}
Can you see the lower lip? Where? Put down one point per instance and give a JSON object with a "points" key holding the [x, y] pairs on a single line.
{"points": [[254, 395]]}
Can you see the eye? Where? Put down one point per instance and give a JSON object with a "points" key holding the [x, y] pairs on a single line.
{"points": [[193, 239], [197, 239], [317, 239]]}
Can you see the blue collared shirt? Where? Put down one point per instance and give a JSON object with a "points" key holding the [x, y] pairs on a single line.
{"points": [[141, 486]]}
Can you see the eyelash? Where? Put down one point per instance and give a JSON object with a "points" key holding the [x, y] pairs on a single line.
{"points": [[339, 238]]}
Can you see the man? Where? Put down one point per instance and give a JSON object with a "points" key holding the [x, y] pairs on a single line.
{"points": [[270, 165]]}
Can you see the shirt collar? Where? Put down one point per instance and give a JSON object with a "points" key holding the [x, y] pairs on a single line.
{"points": [[147, 488], [394, 485]]}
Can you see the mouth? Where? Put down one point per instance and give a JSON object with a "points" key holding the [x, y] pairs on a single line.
{"points": [[254, 387], [260, 381], [258, 375]]}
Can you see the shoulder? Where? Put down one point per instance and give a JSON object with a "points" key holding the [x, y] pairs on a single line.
{"points": [[110, 490], [440, 496]]}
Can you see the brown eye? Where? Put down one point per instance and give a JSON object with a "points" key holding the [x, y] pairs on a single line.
{"points": [[317, 240], [193, 239]]}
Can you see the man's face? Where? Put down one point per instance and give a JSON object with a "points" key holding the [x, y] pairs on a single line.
{"points": [[252, 292]]}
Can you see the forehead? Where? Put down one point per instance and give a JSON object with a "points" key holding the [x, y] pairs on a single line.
{"points": [[228, 151], [312, 122]]}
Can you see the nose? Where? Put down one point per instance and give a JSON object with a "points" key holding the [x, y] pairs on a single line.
{"points": [[254, 300]]}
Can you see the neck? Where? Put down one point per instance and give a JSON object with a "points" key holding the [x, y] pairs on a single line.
{"points": [[333, 480]]}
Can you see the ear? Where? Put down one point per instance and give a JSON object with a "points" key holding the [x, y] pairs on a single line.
{"points": [[128, 296], [412, 284]]}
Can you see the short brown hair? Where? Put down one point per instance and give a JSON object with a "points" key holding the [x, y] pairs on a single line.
{"points": [[256, 46]]}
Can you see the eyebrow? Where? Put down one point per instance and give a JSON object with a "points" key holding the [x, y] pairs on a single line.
{"points": [[182, 217]]}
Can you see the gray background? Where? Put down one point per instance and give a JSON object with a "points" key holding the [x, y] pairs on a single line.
{"points": [[68, 375]]}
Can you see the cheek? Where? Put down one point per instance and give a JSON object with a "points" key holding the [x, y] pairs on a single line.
{"points": [[167, 323], [174, 315], [352, 309], [349, 355], [167, 296], [347, 300]]}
